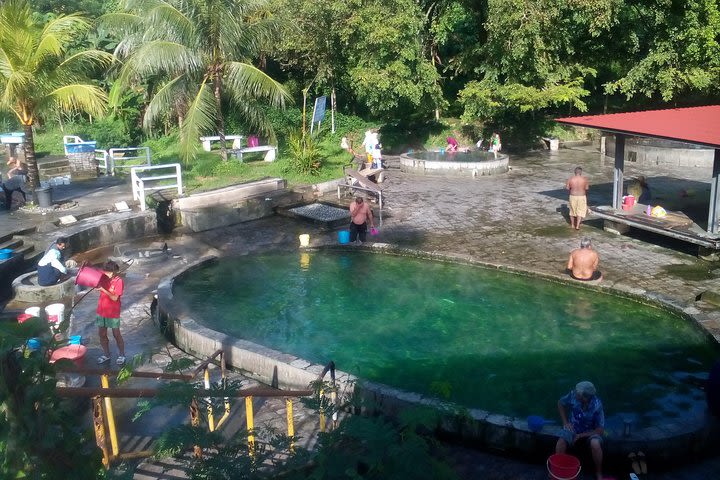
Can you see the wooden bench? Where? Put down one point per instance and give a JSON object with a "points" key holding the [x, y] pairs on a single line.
{"points": [[271, 152], [378, 173], [355, 181], [237, 139]]}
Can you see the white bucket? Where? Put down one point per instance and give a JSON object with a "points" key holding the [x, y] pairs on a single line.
{"points": [[304, 240], [55, 313], [34, 311]]}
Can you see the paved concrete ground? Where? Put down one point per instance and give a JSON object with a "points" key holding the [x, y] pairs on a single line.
{"points": [[514, 219]]}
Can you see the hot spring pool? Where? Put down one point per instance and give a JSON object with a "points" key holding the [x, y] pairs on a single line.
{"points": [[482, 338], [475, 163]]}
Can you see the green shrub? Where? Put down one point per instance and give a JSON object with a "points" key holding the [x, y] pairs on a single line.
{"points": [[305, 157], [108, 132]]}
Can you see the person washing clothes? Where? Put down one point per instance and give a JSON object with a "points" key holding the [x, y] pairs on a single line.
{"points": [[50, 267], [108, 313]]}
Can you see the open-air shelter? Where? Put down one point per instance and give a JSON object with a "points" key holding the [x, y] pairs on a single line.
{"points": [[695, 125]]}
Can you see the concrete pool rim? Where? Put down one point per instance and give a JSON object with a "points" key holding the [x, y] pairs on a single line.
{"points": [[672, 442], [491, 166]]}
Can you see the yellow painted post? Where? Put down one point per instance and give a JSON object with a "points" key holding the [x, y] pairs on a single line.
{"points": [[250, 424], [290, 422], [99, 427], [105, 381], [322, 410], [211, 418]]}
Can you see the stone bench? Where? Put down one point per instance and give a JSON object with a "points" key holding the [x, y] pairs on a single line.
{"points": [[206, 141], [271, 152], [27, 290]]}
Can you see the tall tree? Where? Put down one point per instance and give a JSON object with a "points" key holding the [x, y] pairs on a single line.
{"points": [[673, 49], [371, 48], [39, 76], [198, 53]]}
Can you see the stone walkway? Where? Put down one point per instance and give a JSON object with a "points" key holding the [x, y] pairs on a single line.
{"points": [[514, 220]]}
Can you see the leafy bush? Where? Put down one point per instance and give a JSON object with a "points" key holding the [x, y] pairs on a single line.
{"points": [[305, 157], [107, 132]]}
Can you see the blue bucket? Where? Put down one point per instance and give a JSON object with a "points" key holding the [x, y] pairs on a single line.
{"points": [[536, 423], [75, 339], [5, 253], [33, 344], [344, 236]]}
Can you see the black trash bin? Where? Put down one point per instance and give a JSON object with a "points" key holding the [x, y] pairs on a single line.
{"points": [[43, 195]]}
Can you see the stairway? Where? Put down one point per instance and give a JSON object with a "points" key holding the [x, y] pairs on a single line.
{"points": [[23, 259], [53, 167]]}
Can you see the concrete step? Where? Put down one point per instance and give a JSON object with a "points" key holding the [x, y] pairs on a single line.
{"points": [[54, 172], [53, 163], [12, 243], [28, 251]]}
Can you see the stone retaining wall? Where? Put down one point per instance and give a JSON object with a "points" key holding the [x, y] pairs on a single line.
{"points": [[661, 152]]}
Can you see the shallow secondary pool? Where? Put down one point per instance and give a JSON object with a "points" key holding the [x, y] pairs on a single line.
{"points": [[483, 338]]}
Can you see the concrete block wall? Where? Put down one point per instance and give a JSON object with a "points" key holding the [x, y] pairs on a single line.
{"points": [[661, 153]]}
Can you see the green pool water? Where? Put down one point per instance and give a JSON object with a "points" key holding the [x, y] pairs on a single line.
{"points": [[482, 338]]}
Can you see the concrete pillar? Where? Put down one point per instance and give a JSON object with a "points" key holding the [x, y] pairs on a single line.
{"points": [[714, 195], [618, 174]]}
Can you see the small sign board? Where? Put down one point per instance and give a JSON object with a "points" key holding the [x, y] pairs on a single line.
{"points": [[319, 109]]}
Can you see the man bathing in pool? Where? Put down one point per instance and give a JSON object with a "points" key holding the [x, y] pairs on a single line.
{"points": [[583, 262]]}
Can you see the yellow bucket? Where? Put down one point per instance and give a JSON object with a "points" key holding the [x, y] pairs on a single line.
{"points": [[304, 240]]}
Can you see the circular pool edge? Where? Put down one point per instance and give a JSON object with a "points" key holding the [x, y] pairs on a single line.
{"points": [[499, 165], [670, 443]]}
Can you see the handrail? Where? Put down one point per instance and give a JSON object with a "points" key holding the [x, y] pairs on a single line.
{"points": [[118, 155], [138, 183], [101, 157]]}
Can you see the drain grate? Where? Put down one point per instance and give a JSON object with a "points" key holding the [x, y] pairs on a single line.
{"points": [[321, 212]]}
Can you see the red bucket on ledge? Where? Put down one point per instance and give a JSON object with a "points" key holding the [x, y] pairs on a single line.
{"points": [[563, 467]]}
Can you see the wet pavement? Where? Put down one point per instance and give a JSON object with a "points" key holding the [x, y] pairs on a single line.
{"points": [[517, 220]]}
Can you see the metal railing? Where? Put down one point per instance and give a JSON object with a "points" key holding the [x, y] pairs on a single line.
{"points": [[101, 159], [138, 182], [106, 436], [129, 157]]}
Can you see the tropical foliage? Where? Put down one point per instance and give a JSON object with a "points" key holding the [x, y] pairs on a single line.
{"points": [[39, 76], [190, 56]]}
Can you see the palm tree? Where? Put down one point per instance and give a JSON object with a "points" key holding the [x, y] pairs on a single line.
{"points": [[37, 74], [194, 54]]}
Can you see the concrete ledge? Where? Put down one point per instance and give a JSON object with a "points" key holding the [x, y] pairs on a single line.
{"points": [[27, 290], [671, 443], [229, 195], [478, 168]]}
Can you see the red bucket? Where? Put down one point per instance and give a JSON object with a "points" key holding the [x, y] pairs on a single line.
{"points": [[563, 467], [89, 277]]}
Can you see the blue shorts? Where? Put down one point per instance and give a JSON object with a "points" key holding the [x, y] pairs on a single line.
{"points": [[568, 436]]}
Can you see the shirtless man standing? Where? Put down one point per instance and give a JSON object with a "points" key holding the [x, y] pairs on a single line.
{"points": [[578, 187], [360, 215], [583, 262]]}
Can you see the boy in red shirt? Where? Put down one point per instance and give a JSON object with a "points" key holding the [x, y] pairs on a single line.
{"points": [[108, 312]]}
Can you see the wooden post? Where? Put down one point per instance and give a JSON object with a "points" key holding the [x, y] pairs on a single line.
{"points": [[714, 195], [619, 167]]}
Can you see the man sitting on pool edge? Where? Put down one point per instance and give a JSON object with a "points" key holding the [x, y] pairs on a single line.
{"points": [[583, 263], [583, 417]]}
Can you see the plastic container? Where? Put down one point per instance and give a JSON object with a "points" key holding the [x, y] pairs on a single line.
{"points": [[304, 240], [75, 339], [563, 467], [629, 200], [536, 423], [33, 344], [23, 317], [344, 237], [34, 311], [74, 353], [89, 277], [6, 253], [43, 195], [55, 313]]}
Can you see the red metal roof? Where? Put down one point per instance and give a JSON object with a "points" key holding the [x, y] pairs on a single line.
{"points": [[698, 125]]}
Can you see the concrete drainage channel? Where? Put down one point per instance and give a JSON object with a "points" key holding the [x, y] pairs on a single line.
{"points": [[670, 443]]}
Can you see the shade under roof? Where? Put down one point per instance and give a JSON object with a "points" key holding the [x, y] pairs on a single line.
{"points": [[698, 125]]}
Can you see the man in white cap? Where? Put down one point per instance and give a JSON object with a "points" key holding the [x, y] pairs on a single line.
{"points": [[585, 423]]}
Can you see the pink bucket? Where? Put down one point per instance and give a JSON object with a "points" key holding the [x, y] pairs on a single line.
{"points": [[89, 277]]}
